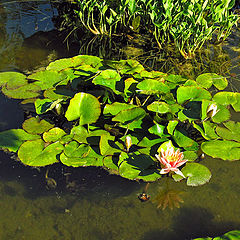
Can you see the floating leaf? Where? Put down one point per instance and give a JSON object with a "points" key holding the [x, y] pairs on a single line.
{"points": [[231, 132], [196, 174], [36, 126], [12, 79], [149, 175], [108, 78], [74, 62], [180, 137], [130, 115], [84, 106], [207, 79], [53, 134], [162, 107], [226, 150], [33, 153], [58, 93], [117, 107], [13, 138], [222, 115], [190, 155], [171, 126], [47, 79], [192, 93], [134, 164], [228, 98], [150, 86], [157, 129], [23, 92]]}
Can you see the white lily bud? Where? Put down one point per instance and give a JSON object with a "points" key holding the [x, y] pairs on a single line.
{"points": [[128, 142], [212, 110]]}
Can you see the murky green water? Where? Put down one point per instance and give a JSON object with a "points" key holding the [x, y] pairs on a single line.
{"points": [[89, 203]]}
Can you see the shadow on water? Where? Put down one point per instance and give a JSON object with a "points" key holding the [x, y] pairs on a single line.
{"points": [[192, 223]]}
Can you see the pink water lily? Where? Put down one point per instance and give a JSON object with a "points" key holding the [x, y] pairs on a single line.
{"points": [[171, 160]]}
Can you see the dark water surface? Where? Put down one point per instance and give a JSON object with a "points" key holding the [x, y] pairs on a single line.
{"points": [[88, 203]]}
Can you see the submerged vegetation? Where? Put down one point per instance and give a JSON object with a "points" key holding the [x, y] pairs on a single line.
{"points": [[117, 115], [187, 24]]}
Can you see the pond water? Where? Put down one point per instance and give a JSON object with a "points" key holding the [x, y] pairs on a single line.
{"points": [[89, 203]]}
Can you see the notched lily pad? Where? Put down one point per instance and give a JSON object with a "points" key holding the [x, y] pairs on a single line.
{"points": [[34, 153], [84, 106], [53, 134], [230, 132], [196, 174], [13, 138], [36, 126], [226, 150], [150, 86]]}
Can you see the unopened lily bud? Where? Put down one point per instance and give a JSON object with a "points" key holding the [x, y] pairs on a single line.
{"points": [[128, 142], [59, 108], [212, 110]]}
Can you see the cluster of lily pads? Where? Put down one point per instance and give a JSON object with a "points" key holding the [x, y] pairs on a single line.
{"points": [[117, 115]]}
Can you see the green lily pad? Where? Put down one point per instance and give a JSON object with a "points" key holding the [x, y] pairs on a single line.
{"points": [[58, 93], [34, 153], [180, 137], [134, 164], [162, 107], [80, 134], [192, 93], [157, 129], [47, 79], [108, 78], [111, 162], [23, 92], [228, 98], [176, 78], [196, 174], [13, 138], [171, 126], [105, 148], [190, 155], [74, 62], [36, 126], [116, 107], [53, 134], [150, 86], [149, 175], [45, 105], [130, 115], [12, 79], [130, 86], [77, 155], [222, 115], [226, 150], [231, 132], [84, 106], [206, 80]]}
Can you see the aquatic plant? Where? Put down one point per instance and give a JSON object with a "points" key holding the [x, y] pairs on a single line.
{"points": [[187, 24], [234, 234], [117, 115]]}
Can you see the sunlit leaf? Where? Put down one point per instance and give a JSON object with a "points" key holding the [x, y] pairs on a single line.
{"points": [[53, 134], [84, 106], [116, 107], [36, 126], [13, 138], [34, 153], [230, 132], [150, 86], [226, 150]]}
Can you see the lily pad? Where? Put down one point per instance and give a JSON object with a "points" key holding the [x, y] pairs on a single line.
{"points": [[150, 86], [84, 106], [23, 92], [196, 174], [13, 79], [108, 78], [111, 162], [228, 98], [13, 138], [58, 93], [74, 62], [116, 107], [53, 134], [34, 153], [47, 79], [226, 150], [192, 93], [230, 132], [36, 126], [162, 107], [157, 129], [149, 175], [206, 80]]}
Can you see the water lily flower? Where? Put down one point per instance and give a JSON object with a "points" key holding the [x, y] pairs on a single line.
{"points": [[171, 160], [128, 142]]}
